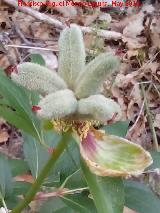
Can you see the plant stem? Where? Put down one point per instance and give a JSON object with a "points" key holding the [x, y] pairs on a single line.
{"points": [[43, 174]]}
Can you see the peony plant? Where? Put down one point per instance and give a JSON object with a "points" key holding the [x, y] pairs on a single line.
{"points": [[71, 100]]}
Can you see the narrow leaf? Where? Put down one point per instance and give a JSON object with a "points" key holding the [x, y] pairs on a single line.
{"points": [[156, 160], [37, 155], [54, 205], [108, 193], [18, 109], [5, 177], [140, 198], [119, 128], [80, 202]]}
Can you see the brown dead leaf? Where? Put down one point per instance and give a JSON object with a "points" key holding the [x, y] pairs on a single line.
{"points": [[3, 15], [131, 53], [24, 178], [3, 136], [126, 90], [134, 28], [138, 130], [4, 60], [132, 33], [120, 25], [155, 31], [67, 11], [89, 19], [105, 17], [127, 210], [157, 121]]}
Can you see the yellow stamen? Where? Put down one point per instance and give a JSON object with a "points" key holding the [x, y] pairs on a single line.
{"points": [[77, 126]]}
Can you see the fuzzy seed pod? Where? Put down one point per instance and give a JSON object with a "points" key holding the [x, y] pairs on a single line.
{"points": [[99, 107], [38, 78], [57, 105], [95, 74], [72, 54]]}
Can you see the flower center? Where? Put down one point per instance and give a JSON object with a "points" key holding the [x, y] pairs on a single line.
{"points": [[79, 127]]}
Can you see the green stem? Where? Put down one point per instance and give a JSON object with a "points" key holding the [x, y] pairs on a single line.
{"points": [[43, 174]]}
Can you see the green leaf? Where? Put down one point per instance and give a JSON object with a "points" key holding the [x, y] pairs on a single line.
{"points": [[37, 58], [156, 160], [54, 205], [36, 154], [71, 158], [119, 128], [13, 118], [17, 109], [76, 180], [80, 202], [18, 166], [19, 188], [11, 201], [5, 177], [140, 198], [108, 193], [1, 70]]}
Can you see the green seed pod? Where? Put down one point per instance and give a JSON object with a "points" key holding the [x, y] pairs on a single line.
{"points": [[71, 55], [90, 81], [38, 78], [99, 108], [57, 105]]}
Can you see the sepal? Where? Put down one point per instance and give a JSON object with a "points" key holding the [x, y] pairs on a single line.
{"points": [[109, 155], [71, 55], [38, 78], [57, 105], [99, 108], [90, 81]]}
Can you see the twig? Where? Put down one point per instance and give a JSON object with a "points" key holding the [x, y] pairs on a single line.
{"points": [[147, 30], [59, 193], [30, 47], [158, 92], [150, 121], [23, 38], [35, 14], [145, 66], [50, 20], [75, 191], [142, 106], [139, 115], [67, 179], [103, 33], [4, 39]]}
